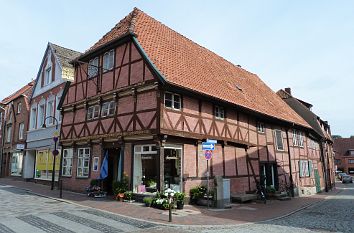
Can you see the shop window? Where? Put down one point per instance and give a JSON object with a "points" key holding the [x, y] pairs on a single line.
{"points": [[278, 139], [172, 101], [16, 163], [44, 165], [145, 169], [219, 112], [108, 108], [173, 167], [67, 162], [83, 162], [93, 67], [108, 60], [93, 112]]}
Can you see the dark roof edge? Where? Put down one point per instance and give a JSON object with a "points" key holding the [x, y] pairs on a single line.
{"points": [[65, 91]]}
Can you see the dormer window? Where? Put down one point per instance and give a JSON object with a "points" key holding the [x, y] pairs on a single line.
{"points": [[172, 101], [219, 112], [93, 67], [108, 60], [47, 76]]}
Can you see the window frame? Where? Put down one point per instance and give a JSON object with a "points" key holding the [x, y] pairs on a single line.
{"points": [[111, 109], [90, 115], [85, 158], [277, 142], [47, 76], [298, 138], [33, 120], [19, 108], [9, 134], [260, 127], [41, 118], [110, 56], [219, 112], [50, 120], [21, 131], [92, 68], [173, 101], [68, 154]]}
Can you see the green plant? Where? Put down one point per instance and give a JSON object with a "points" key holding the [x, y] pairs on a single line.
{"points": [[150, 183], [179, 196], [120, 186], [270, 189], [94, 182], [198, 192], [128, 195], [148, 201]]}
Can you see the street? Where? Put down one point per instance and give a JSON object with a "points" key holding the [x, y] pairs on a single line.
{"points": [[25, 212]]}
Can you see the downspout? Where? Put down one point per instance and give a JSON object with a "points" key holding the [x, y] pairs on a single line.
{"points": [[324, 168], [290, 165], [2, 142]]}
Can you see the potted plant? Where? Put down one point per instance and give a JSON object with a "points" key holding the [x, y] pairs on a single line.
{"points": [[120, 187], [147, 201], [179, 196], [128, 195]]}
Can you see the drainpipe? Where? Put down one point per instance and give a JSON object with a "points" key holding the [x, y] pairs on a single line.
{"points": [[2, 143], [290, 165], [324, 168]]}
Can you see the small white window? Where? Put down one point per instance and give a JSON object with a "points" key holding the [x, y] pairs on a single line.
{"points": [[9, 133], [58, 114], [67, 162], [83, 162], [47, 75], [219, 112], [108, 108], [108, 60], [260, 127], [93, 112], [279, 139], [298, 139], [21, 128], [33, 121], [41, 115], [50, 112], [93, 67], [172, 101], [19, 107]]}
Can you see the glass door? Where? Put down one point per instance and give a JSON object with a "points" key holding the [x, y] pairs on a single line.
{"points": [[173, 167]]}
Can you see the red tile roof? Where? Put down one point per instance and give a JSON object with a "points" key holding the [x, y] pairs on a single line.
{"points": [[342, 145], [25, 90], [188, 65]]}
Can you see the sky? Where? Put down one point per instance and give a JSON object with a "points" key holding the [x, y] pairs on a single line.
{"points": [[305, 45]]}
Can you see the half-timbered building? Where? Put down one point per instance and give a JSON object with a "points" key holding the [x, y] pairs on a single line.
{"points": [[44, 118], [14, 124], [148, 97]]}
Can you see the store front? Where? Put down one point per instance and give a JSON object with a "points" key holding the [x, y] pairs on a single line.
{"points": [[16, 163], [44, 165], [173, 167]]}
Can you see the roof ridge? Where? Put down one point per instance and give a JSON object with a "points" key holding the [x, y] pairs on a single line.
{"points": [[63, 47]]}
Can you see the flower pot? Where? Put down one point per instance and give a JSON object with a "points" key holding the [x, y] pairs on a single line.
{"points": [[180, 205]]}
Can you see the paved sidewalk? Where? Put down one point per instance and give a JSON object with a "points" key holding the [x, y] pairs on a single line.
{"points": [[191, 215]]}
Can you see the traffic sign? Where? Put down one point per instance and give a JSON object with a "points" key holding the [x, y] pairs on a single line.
{"points": [[208, 154], [213, 141], [208, 146]]}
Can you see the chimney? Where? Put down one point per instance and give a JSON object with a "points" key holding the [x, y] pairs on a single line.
{"points": [[288, 90]]}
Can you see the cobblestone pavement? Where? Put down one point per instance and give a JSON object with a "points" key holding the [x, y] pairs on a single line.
{"points": [[21, 211]]}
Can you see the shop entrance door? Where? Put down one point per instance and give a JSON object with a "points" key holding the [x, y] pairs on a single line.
{"points": [[173, 167], [113, 161], [270, 173]]}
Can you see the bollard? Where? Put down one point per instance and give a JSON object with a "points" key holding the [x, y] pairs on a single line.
{"points": [[169, 208]]}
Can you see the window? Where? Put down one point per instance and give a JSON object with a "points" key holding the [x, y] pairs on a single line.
{"points": [[83, 162], [93, 67], [9, 132], [93, 112], [10, 116], [219, 112], [305, 167], [47, 76], [108, 108], [108, 60], [41, 115], [351, 161], [58, 113], [21, 128], [260, 127], [33, 121], [19, 107], [67, 162], [298, 139], [44, 165], [172, 101], [279, 140], [50, 111]]}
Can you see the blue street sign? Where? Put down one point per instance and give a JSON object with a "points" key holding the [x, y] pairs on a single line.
{"points": [[213, 141], [208, 146]]}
